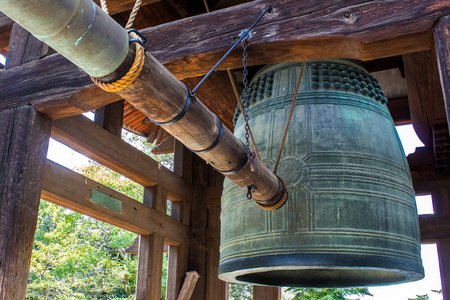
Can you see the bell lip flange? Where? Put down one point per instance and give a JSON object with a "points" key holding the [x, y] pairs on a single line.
{"points": [[407, 270]]}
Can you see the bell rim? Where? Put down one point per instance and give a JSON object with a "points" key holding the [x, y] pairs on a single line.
{"points": [[244, 270]]}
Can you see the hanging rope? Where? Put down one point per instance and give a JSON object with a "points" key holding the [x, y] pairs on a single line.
{"points": [[236, 93], [289, 118], [138, 63]]}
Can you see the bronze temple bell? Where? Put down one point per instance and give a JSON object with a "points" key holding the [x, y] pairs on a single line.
{"points": [[351, 218]]}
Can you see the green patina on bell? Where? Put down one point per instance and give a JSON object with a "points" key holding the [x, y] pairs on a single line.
{"points": [[351, 218]]}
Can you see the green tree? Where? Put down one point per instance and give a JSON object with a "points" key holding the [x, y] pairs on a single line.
{"points": [[240, 292], [78, 257], [327, 293]]}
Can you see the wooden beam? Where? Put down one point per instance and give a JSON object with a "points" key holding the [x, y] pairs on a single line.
{"points": [[24, 136], [426, 104], [266, 293], [442, 42], [434, 228], [151, 248], [5, 30], [110, 117], [74, 191], [86, 137], [297, 32], [292, 32]]}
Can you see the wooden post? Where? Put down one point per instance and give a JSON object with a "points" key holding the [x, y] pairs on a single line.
{"points": [[110, 117], [181, 210], [24, 136], [148, 286], [441, 204], [442, 42], [266, 293], [188, 285], [215, 288]]}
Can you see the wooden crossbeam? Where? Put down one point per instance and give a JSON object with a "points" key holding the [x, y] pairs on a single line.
{"points": [[312, 30], [72, 190], [434, 228], [90, 139]]}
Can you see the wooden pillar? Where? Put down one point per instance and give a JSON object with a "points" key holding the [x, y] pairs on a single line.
{"points": [[178, 256], [442, 41], [110, 117], [216, 289], [441, 204], [24, 136], [150, 259], [266, 293]]}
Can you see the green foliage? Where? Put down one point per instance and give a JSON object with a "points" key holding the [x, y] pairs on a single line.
{"points": [[240, 292], [78, 257], [327, 293], [420, 297]]}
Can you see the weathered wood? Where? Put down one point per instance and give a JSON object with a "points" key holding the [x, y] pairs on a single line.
{"points": [[110, 117], [23, 48], [189, 285], [151, 247], [266, 293], [434, 228], [297, 32], [215, 288], [5, 29], [441, 205], [199, 219], [426, 104], [442, 42], [24, 136], [134, 247], [292, 32], [399, 109], [86, 137], [178, 256], [72, 190]]}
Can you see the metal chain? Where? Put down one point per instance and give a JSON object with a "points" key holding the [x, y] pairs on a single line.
{"points": [[245, 91]]}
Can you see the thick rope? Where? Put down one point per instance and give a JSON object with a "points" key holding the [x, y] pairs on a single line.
{"points": [[289, 118], [236, 93], [280, 202], [138, 63]]}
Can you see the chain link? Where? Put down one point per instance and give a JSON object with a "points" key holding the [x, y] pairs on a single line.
{"points": [[245, 91]]}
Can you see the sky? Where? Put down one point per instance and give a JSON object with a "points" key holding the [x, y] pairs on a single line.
{"points": [[69, 158]]}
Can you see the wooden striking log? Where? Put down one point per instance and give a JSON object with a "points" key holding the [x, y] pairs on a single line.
{"points": [[24, 136], [442, 40], [86, 137], [151, 247], [74, 191]]}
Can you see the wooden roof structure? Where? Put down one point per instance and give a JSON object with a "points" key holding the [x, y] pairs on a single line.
{"points": [[42, 94]]}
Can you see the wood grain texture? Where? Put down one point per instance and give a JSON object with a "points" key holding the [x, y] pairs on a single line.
{"points": [[434, 228], [86, 137], [189, 286], [442, 42], [151, 248], [266, 293], [24, 136], [5, 30], [292, 32], [110, 117], [426, 103], [441, 205], [23, 48], [71, 190], [178, 256], [361, 30]]}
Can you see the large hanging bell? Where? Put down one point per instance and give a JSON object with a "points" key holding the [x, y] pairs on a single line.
{"points": [[351, 218]]}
